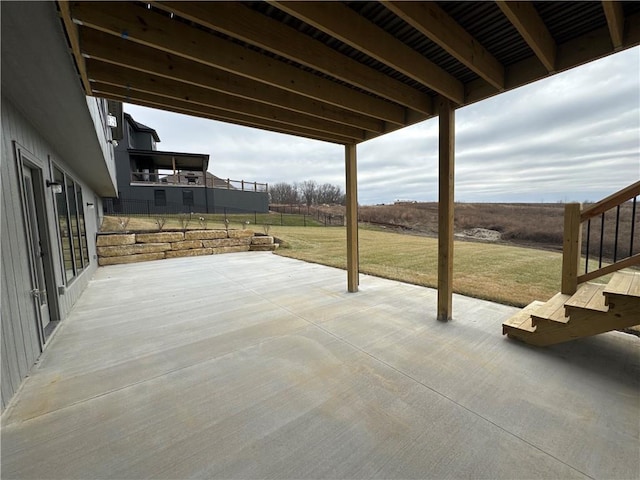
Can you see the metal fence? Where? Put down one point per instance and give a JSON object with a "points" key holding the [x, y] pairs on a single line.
{"points": [[328, 219], [285, 215]]}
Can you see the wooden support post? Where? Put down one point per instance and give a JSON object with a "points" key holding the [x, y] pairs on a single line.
{"points": [[445, 207], [571, 248], [352, 218]]}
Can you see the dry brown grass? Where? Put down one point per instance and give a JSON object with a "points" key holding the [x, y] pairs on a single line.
{"points": [[539, 224]]}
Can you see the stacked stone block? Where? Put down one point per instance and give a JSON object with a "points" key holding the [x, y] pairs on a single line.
{"points": [[140, 247]]}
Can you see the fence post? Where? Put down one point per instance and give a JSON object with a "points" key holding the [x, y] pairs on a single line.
{"points": [[281, 223], [571, 248], [148, 209], [255, 217]]}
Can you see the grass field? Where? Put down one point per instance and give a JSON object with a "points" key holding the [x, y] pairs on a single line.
{"points": [[505, 274]]}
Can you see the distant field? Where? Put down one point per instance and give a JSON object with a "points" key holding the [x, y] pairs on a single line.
{"points": [[532, 224]]}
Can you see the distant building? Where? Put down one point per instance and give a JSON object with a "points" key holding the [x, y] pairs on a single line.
{"points": [[156, 182]]}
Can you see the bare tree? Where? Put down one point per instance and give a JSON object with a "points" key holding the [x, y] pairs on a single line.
{"points": [[308, 191], [284, 193], [329, 194]]}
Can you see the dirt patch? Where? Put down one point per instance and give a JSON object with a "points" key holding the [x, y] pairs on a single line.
{"points": [[481, 234]]}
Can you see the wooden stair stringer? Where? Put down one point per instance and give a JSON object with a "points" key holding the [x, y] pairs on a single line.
{"points": [[590, 324], [519, 325], [593, 309]]}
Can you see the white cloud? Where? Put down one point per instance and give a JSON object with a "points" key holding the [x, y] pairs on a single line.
{"points": [[574, 136]]}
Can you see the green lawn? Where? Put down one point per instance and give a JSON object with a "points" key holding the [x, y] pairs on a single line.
{"points": [[505, 274]]}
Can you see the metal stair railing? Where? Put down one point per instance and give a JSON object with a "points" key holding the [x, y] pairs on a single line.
{"points": [[577, 219]]}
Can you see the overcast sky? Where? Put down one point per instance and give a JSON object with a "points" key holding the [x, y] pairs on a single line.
{"points": [[572, 137]]}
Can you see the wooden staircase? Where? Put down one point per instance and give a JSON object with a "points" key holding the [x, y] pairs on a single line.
{"points": [[594, 308]]}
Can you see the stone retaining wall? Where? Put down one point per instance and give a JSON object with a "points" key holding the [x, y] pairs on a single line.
{"points": [[115, 248]]}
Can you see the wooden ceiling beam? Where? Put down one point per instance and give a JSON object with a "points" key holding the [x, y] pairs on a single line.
{"points": [[117, 51], [577, 51], [347, 26], [524, 17], [434, 23], [137, 81], [615, 20], [156, 30], [238, 21], [72, 34], [120, 94]]}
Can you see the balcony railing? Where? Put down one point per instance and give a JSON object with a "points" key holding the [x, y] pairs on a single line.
{"points": [[195, 179], [607, 237]]}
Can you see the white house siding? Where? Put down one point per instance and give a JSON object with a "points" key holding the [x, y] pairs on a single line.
{"points": [[20, 344]]}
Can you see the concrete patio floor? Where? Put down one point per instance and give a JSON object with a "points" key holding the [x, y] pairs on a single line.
{"points": [[252, 365]]}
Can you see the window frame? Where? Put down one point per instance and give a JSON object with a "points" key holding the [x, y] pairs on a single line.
{"points": [[80, 258], [187, 198], [157, 201]]}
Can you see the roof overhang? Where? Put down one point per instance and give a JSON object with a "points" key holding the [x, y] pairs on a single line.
{"points": [[342, 72], [40, 79], [195, 162]]}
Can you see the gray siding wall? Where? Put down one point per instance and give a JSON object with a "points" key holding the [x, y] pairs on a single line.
{"points": [[20, 345], [141, 198]]}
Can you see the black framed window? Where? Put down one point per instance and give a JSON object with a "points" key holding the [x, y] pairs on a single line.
{"points": [[71, 225], [64, 229], [82, 232], [187, 198], [160, 198], [73, 218]]}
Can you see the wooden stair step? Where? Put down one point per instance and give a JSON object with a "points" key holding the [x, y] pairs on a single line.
{"points": [[522, 319], [634, 289], [588, 297], [623, 284], [553, 310], [620, 283]]}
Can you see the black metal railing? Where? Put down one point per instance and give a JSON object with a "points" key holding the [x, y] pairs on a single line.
{"points": [[196, 179], [610, 235], [578, 245]]}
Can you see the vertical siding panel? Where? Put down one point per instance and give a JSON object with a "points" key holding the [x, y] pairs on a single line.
{"points": [[25, 316], [13, 360], [20, 345], [10, 377], [20, 337], [10, 362]]}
